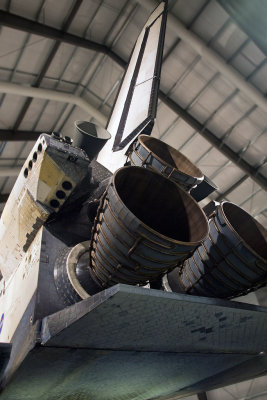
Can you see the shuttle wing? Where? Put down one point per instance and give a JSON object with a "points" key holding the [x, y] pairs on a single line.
{"points": [[177, 323], [160, 344]]}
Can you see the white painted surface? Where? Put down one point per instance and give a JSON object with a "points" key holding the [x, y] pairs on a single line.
{"points": [[138, 109], [12, 88], [19, 289]]}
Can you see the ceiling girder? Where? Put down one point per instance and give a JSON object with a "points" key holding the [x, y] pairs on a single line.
{"points": [[26, 25], [65, 97], [3, 197], [9, 171], [47, 64], [35, 28], [223, 195], [202, 396], [9, 135], [206, 133], [207, 53], [216, 142]]}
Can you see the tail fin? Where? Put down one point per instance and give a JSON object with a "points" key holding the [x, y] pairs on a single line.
{"points": [[136, 104]]}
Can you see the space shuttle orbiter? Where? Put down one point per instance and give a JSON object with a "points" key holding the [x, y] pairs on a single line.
{"points": [[110, 275]]}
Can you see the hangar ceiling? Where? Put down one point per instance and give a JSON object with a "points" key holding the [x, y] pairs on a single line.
{"points": [[212, 103], [62, 61]]}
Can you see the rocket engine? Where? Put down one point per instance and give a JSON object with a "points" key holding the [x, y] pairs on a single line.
{"points": [[135, 226], [71, 228], [154, 154], [145, 225], [231, 261]]}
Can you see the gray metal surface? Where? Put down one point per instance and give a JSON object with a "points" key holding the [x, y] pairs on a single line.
{"points": [[74, 224], [132, 318], [132, 343], [233, 259], [149, 152], [64, 288], [48, 299], [75, 374], [99, 172], [89, 137], [205, 188]]}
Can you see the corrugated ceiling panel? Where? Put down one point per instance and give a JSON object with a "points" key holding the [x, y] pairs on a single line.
{"points": [[83, 18], [256, 204], [54, 13], [211, 162], [196, 148], [212, 19], [243, 191], [176, 65], [10, 109], [34, 54], [227, 177], [106, 77], [262, 218], [61, 60], [11, 44], [178, 135], [102, 22], [51, 113], [26, 9], [259, 79], [251, 17], [164, 120], [229, 41], [187, 10], [242, 64], [33, 114], [7, 184]]}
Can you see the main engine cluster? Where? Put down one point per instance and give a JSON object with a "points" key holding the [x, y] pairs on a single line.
{"points": [[147, 229]]}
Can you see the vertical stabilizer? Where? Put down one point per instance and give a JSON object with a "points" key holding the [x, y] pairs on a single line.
{"points": [[136, 104]]}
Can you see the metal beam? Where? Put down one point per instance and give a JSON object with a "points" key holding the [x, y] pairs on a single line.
{"points": [[255, 396], [3, 197], [9, 171], [60, 78], [206, 133], [39, 93], [215, 141], [95, 65], [231, 188], [9, 135], [25, 43], [26, 25], [202, 396], [213, 58], [47, 64]]}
